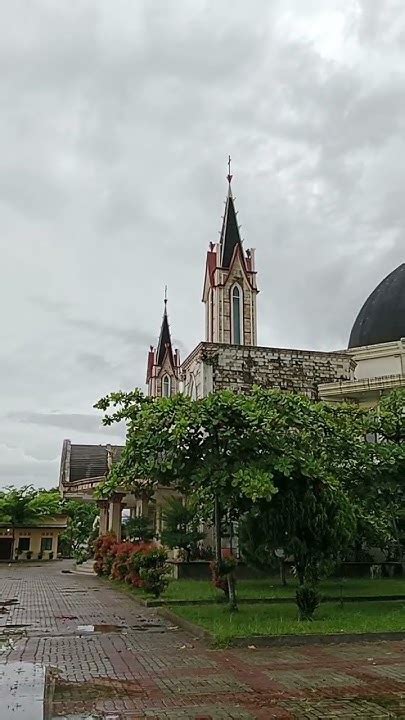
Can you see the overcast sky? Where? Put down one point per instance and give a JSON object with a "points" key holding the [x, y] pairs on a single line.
{"points": [[115, 126]]}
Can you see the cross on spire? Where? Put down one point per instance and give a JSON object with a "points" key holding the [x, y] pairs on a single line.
{"points": [[229, 176]]}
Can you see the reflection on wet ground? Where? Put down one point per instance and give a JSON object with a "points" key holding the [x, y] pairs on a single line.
{"points": [[22, 691]]}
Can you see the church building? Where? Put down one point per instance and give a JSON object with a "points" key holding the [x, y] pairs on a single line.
{"points": [[230, 358]]}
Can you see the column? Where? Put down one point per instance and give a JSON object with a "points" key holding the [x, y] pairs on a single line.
{"points": [[143, 506], [116, 513], [103, 526]]}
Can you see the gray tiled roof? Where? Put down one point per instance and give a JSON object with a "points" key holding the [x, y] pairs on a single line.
{"points": [[88, 461]]}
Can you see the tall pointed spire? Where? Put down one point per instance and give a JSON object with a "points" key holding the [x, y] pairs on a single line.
{"points": [[230, 236], [230, 287], [165, 341]]}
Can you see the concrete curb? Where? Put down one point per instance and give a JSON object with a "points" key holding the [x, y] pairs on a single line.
{"points": [[163, 602], [335, 639], [195, 630]]}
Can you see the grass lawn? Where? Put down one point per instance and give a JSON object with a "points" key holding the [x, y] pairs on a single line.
{"points": [[282, 619], [271, 588]]}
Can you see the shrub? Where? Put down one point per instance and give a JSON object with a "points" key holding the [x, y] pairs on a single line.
{"points": [[308, 599], [104, 553], [139, 564]]}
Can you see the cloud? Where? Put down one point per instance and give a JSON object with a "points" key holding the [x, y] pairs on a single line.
{"points": [[116, 125], [74, 421]]}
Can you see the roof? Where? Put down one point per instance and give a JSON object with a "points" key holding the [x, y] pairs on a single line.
{"points": [[53, 522], [230, 237], [165, 342], [382, 317], [88, 461]]}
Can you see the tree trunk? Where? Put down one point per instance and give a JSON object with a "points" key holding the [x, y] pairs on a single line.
{"points": [[13, 545], [282, 572], [233, 606], [217, 526]]}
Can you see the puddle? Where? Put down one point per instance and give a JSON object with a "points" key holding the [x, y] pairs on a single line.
{"points": [[22, 688], [101, 628]]}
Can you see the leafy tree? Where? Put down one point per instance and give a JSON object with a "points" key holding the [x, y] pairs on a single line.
{"points": [[81, 519], [26, 506], [180, 525], [138, 528], [304, 466]]}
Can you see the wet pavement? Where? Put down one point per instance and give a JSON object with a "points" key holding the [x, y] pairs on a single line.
{"points": [[72, 647]]}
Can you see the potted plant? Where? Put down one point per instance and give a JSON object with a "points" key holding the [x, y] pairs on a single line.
{"points": [[40, 555], [29, 554], [50, 556]]}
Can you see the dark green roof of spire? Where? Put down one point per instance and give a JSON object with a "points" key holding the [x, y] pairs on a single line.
{"points": [[230, 237]]}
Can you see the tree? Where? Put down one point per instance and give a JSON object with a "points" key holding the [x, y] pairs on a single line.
{"points": [[207, 449], [81, 519], [139, 528], [306, 466], [180, 525], [26, 506]]}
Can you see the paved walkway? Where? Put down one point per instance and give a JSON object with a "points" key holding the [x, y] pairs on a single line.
{"points": [[147, 669]]}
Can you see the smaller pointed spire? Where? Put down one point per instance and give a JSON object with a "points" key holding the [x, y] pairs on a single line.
{"points": [[165, 342]]}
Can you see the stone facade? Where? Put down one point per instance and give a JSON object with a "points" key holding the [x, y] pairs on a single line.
{"points": [[213, 366]]}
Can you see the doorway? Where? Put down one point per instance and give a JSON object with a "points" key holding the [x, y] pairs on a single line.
{"points": [[6, 545]]}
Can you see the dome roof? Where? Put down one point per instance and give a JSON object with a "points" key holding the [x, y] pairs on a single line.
{"points": [[382, 317]]}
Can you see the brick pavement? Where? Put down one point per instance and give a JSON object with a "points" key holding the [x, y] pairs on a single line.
{"points": [[141, 667]]}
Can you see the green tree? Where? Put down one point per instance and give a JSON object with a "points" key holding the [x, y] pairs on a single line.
{"points": [[305, 466], [181, 523], [26, 506], [138, 528], [81, 517]]}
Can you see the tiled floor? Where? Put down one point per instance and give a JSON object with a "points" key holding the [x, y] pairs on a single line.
{"points": [[147, 669]]}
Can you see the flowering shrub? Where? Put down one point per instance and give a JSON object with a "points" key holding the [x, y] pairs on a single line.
{"points": [[104, 553], [139, 564]]}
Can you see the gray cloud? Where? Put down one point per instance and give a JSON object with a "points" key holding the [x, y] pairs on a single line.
{"points": [[116, 124], [73, 421]]}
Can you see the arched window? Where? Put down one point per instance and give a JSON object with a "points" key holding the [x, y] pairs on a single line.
{"points": [[166, 386], [237, 315]]}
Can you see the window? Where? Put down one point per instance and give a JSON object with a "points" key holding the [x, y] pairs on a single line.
{"points": [[46, 544], [237, 315], [23, 544], [166, 386]]}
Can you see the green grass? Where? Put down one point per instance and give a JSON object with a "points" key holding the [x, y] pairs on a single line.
{"points": [[276, 619], [271, 588]]}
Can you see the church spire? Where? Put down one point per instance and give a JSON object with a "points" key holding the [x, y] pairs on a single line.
{"points": [[162, 375], [165, 341], [230, 237], [230, 287]]}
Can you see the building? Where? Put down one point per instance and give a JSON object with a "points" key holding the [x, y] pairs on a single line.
{"points": [[230, 357], [34, 542], [376, 346]]}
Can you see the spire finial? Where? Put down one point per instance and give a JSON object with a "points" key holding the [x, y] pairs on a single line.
{"points": [[229, 176], [165, 297]]}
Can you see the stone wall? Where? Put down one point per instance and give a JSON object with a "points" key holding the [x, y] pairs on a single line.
{"points": [[213, 367]]}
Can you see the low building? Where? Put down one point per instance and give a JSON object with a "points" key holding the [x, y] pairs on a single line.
{"points": [[32, 542]]}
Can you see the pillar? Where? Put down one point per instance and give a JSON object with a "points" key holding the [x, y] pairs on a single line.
{"points": [[116, 516], [143, 506], [103, 526]]}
